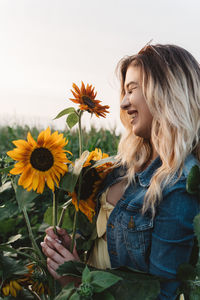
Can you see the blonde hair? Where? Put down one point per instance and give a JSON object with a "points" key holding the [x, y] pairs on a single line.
{"points": [[171, 87]]}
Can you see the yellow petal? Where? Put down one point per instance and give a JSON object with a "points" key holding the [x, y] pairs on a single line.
{"points": [[31, 140], [35, 182], [50, 182], [12, 290], [26, 177], [6, 290], [41, 184], [40, 139]]}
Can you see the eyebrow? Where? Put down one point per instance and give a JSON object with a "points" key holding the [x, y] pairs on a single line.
{"points": [[130, 83]]}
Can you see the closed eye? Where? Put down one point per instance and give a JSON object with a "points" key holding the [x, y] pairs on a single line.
{"points": [[131, 90]]}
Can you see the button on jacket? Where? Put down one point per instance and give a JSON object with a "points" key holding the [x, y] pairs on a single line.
{"points": [[157, 246]]}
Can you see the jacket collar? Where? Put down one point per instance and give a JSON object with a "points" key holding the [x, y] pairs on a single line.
{"points": [[145, 176]]}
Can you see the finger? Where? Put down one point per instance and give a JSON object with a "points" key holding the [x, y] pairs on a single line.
{"points": [[54, 255], [52, 264], [50, 242], [50, 231], [75, 254], [65, 253], [64, 236], [53, 273]]}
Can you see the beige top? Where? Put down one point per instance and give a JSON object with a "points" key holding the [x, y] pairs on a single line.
{"points": [[99, 257]]}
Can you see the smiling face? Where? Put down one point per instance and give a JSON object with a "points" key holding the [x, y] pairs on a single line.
{"points": [[135, 105]]}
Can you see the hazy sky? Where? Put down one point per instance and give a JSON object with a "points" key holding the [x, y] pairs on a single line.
{"points": [[45, 45]]}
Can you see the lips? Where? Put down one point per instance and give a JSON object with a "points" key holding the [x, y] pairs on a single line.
{"points": [[133, 115]]}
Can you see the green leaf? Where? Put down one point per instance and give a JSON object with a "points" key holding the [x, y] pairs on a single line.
{"points": [[138, 290], [195, 295], [6, 170], [67, 221], [11, 267], [75, 296], [24, 197], [6, 191], [83, 245], [13, 239], [101, 280], [6, 226], [9, 209], [72, 120], [86, 272], [13, 250], [135, 285], [186, 272], [64, 112], [197, 227], [73, 268], [104, 295], [69, 180], [66, 292], [85, 227], [193, 180]]}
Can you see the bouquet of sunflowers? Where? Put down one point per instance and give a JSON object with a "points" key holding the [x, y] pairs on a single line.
{"points": [[41, 166]]}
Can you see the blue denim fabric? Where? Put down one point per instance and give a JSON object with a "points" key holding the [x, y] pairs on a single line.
{"points": [[157, 246]]}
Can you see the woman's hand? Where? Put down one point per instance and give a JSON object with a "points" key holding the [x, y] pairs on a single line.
{"points": [[56, 248]]}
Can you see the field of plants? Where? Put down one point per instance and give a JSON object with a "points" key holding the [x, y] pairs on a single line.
{"points": [[11, 222], [14, 236]]}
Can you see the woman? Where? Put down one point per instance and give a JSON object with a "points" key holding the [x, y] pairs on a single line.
{"points": [[151, 225]]}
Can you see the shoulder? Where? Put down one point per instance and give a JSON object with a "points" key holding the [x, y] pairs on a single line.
{"points": [[176, 200], [179, 182], [189, 163]]}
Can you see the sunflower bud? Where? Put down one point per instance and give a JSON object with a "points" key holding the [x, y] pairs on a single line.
{"points": [[85, 290]]}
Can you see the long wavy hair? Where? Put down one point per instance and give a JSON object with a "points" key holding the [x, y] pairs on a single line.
{"points": [[171, 87]]}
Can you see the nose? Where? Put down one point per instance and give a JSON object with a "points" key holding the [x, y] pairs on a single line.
{"points": [[125, 102]]}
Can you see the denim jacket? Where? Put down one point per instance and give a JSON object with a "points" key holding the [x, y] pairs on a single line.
{"points": [[157, 246]]}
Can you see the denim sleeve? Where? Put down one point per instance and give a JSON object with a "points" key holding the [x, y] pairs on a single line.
{"points": [[172, 238]]}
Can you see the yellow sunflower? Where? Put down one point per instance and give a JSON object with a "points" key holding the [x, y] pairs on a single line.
{"points": [[94, 177], [40, 162], [87, 207], [95, 156], [34, 280], [11, 288], [85, 97]]}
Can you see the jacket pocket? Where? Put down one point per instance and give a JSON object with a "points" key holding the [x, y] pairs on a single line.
{"points": [[137, 231]]}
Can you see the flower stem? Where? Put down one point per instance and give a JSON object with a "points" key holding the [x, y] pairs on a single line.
{"points": [[80, 134], [55, 211], [60, 222], [79, 185], [35, 246]]}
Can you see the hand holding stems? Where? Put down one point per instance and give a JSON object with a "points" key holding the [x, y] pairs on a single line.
{"points": [[56, 248]]}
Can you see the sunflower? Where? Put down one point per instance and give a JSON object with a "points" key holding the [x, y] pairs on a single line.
{"points": [[11, 288], [95, 156], [85, 97], [35, 280], [40, 162], [94, 177]]}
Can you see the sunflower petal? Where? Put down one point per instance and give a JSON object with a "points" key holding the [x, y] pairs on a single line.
{"points": [[50, 182], [31, 140], [41, 185]]}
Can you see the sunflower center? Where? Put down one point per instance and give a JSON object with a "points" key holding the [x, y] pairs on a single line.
{"points": [[90, 176], [41, 159], [88, 101]]}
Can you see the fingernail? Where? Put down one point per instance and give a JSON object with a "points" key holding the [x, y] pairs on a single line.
{"points": [[42, 244], [49, 238], [59, 241]]}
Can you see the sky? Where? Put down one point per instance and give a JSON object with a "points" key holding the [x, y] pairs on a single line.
{"points": [[46, 45]]}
